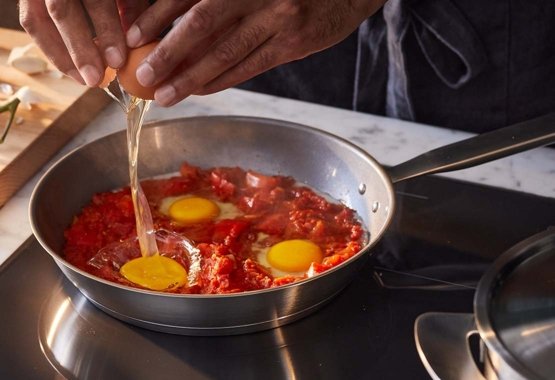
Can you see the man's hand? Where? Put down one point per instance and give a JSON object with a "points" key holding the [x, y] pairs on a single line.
{"points": [[213, 45], [217, 44], [64, 30]]}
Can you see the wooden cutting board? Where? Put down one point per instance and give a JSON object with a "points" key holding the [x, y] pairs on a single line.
{"points": [[66, 107]]}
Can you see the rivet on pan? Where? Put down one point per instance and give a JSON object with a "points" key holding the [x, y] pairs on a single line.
{"points": [[375, 206], [362, 188]]}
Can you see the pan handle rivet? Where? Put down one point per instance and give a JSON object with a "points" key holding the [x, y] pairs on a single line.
{"points": [[375, 206], [362, 188]]}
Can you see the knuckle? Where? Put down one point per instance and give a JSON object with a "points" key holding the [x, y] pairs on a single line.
{"points": [[290, 8], [259, 62], [27, 21], [250, 37], [231, 50], [160, 57], [57, 9], [32, 20], [226, 52], [199, 19]]}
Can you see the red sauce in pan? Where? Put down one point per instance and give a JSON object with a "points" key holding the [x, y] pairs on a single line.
{"points": [[272, 209]]}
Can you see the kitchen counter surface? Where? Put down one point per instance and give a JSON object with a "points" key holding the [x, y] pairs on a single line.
{"points": [[390, 141]]}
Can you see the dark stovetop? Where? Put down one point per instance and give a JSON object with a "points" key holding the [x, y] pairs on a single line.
{"points": [[444, 235]]}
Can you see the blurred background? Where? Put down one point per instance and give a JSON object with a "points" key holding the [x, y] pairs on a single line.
{"points": [[9, 17]]}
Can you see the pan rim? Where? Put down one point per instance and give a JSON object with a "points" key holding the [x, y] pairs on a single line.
{"points": [[282, 123]]}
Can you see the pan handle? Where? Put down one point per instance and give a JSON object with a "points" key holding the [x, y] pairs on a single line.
{"points": [[479, 149], [442, 343]]}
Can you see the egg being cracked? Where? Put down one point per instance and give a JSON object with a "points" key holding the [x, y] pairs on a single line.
{"points": [[127, 75]]}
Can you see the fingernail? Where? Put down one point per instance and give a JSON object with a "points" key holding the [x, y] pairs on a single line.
{"points": [[90, 75], [165, 95], [133, 36], [75, 75], [145, 74], [113, 57]]}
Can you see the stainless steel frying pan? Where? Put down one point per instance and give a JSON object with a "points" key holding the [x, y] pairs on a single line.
{"points": [[319, 159]]}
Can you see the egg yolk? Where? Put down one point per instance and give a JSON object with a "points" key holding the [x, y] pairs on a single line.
{"points": [[193, 210], [155, 272], [294, 255]]}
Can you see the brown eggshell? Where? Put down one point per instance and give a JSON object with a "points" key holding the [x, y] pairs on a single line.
{"points": [[127, 74], [109, 73], [109, 76]]}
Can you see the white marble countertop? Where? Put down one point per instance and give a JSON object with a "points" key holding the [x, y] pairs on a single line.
{"points": [[390, 141]]}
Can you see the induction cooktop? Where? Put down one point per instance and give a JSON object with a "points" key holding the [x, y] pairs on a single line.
{"points": [[445, 234]]}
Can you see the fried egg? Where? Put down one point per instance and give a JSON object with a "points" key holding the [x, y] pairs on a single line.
{"points": [[190, 209], [288, 257]]}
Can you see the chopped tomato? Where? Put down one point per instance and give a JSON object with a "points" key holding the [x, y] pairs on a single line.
{"points": [[223, 188], [271, 209], [261, 181]]}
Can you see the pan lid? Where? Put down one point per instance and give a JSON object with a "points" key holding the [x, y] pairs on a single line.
{"points": [[515, 306]]}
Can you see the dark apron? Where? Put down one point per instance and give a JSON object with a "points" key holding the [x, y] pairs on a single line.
{"points": [[466, 64]]}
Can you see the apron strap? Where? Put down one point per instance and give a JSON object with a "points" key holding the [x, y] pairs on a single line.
{"points": [[448, 41]]}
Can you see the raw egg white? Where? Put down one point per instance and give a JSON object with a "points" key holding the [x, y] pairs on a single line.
{"points": [[127, 74], [287, 258], [191, 209]]}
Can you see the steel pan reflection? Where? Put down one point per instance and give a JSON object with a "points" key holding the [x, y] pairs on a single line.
{"points": [[81, 341]]}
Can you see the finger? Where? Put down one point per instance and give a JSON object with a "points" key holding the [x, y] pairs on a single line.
{"points": [[109, 36], [69, 18], [264, 58], [224, 54], [129, 11], [34, 18], [202, 20], [150, 24]]}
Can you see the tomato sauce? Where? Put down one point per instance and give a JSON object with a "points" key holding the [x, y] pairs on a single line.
{"points": [[273, 209]]}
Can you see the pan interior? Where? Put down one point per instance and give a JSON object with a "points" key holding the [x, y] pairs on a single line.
{"points": [[322, 161]]}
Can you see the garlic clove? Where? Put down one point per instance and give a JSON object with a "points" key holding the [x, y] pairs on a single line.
{"points": [[27, 59], [26, 96]]}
